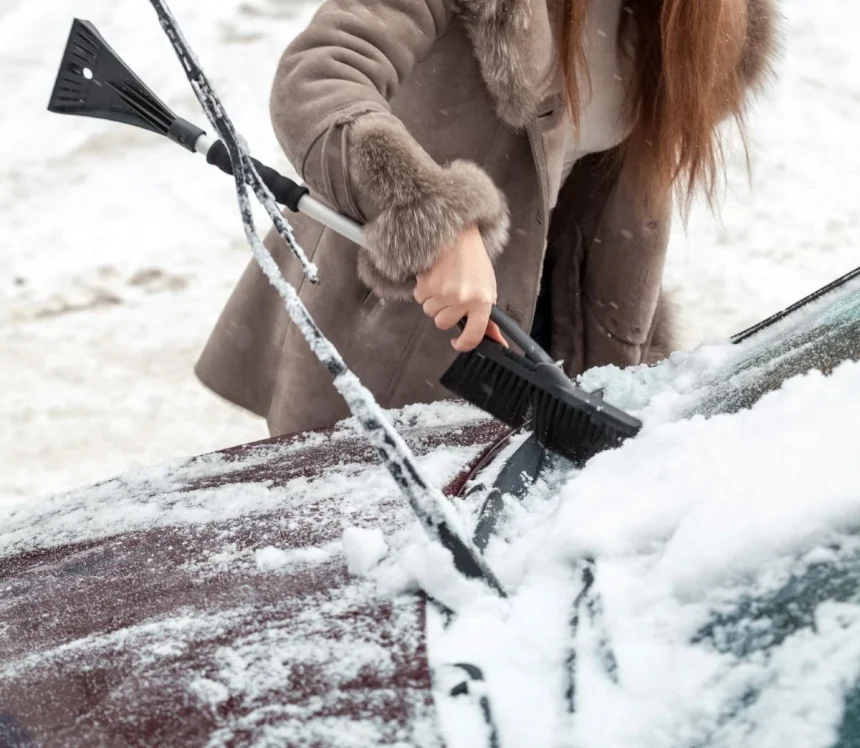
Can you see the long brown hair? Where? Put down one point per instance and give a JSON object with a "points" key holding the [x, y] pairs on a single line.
{"points": [[686, 80]]}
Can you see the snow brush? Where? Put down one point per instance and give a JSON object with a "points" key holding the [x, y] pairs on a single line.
{"points": [[515, 388]]}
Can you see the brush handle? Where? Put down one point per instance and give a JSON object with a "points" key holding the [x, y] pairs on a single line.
{"points": [[288, 193], [519, 336], [296, 197]]}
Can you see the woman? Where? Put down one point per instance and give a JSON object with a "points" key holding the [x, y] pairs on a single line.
{"points": [[455, 131]]}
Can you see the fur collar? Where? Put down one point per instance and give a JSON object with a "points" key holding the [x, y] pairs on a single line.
{"points": [[514, 42]]}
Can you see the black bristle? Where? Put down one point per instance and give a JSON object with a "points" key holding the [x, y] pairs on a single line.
{"points": [[564, 418], [490, 387], [569, 431]]}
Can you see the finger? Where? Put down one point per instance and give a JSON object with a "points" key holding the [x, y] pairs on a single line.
{"points": [[494, 333], [476, 326], [433, 306], [450, 316]]}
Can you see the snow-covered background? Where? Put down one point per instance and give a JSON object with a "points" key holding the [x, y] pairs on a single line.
{"points": [[119, 250]]}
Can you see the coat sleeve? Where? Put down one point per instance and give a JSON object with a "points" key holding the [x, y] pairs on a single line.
{"points": [[331, 114]]}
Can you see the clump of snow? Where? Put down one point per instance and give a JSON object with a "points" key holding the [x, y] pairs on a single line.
{"points": [[364, 548], [660, 388], [269, 558], [420, 564], [272, 559], [209, 691]]}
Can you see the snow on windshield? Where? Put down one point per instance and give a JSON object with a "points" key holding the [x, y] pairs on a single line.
{"points": [[693, 532]]}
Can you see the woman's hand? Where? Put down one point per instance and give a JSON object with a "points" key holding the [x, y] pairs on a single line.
{"points": [[461, 284]]}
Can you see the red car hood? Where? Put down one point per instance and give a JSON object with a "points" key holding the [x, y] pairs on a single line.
{"points": [[141, 611]]}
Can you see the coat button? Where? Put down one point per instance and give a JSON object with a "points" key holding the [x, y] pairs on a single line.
{"points": [[539, 218]]}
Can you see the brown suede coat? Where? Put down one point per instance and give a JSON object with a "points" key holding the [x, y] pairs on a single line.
{"points": [[419, 118]]}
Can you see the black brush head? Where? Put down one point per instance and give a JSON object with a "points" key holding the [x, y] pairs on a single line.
{"points": [[563, 427], [488, 384], [565, 419], [94, 82]]}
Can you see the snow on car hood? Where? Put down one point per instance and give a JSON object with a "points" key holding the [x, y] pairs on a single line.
{"points": [[162, 495], [222, 600], [698, 586]]}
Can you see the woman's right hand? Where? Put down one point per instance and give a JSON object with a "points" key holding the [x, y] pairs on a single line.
{"points": [[461, 284]]}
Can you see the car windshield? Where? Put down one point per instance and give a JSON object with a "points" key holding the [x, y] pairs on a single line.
{"points": [[704, 578], [819, 336]]}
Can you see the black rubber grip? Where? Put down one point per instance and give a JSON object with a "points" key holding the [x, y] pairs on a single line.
{"points": [[516, 334], [286, 191], [513, 331]]}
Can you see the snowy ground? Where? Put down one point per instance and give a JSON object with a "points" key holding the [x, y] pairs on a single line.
{"points": [[119, 250]]}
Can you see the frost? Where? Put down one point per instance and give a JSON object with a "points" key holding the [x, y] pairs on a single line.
{"points": [[167, 495]]}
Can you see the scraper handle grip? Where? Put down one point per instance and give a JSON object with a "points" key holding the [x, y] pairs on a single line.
{"points": [[517, 335]]}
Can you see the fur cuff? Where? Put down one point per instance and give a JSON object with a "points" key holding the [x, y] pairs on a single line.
{"points": [[415, 207]]}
